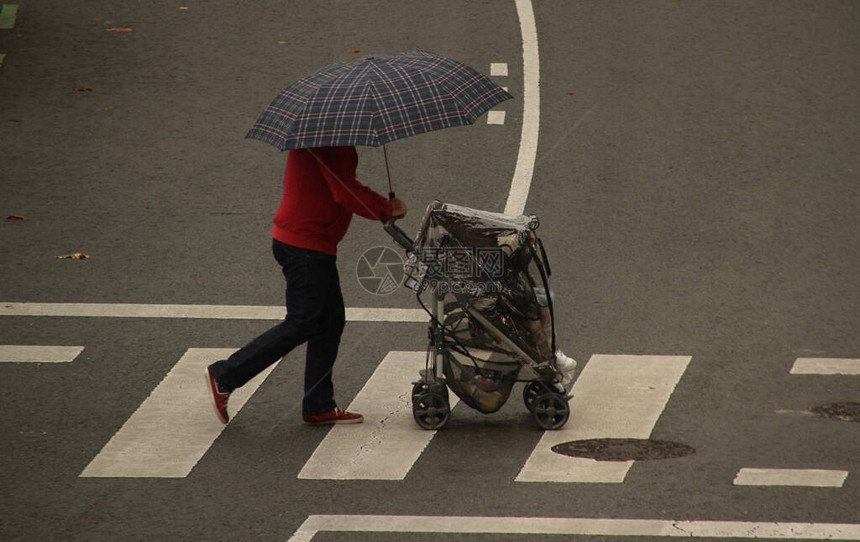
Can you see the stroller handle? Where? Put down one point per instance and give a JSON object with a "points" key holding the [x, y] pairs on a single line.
{"points": [[396, 233]]}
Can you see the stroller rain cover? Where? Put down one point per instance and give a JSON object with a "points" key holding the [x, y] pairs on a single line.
{"points": [[489, 272]]}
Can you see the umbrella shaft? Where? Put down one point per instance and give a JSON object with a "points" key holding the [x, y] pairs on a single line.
{"points": [[388, 172]]}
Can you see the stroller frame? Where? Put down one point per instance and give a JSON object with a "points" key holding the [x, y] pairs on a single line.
{"points": [[543, 395]]}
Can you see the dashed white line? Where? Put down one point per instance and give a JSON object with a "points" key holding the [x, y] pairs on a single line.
{"points": [[495, 117], [499, 69], [39, 354], [825, 366], [790, 477]]}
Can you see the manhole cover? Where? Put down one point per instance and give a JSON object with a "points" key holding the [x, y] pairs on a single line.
{"points": [[623, 449], [847, 412]]}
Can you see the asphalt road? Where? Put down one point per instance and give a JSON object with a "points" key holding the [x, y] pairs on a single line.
{"points": [[696, 179]]}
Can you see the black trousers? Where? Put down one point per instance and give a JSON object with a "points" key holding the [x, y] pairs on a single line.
{"points": [[315, 314]]}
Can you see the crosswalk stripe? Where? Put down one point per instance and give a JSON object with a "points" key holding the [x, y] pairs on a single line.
{"points": [[790, 477], [825, 366], [618, 396], [389, 441], [172, 429], [38, 354]]}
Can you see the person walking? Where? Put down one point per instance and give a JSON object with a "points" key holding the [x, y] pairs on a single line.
{"points": [[321, 193]]}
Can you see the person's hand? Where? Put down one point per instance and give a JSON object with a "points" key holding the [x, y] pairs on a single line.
{"points": [[398, 208]]}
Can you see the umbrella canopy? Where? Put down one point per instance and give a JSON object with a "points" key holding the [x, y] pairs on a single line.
{"points": [[375, 100]]}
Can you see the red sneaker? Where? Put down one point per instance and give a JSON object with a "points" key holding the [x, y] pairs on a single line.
{"points": [[219, 400], [335, 415]]}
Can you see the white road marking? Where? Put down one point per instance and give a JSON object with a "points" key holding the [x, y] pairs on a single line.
{"points": [[522, 180], [790, 412], [722, 530], [172, 429], [499, 69], [358, 314], [495, 117], [38, 354], [221, 312], [790, 477], [615, 396], [825, 366], [389, 441]]}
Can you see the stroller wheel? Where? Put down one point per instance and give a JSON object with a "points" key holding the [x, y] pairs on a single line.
{"points": [[530, 393], [431, 410], [418, 388], [421, 387], [537, 387], [550, 410]]}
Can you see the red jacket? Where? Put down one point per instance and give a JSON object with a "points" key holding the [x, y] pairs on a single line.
{"points": [[320, 195]]}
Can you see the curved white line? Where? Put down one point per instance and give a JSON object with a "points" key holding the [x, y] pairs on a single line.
{"points": [[531, 111]]}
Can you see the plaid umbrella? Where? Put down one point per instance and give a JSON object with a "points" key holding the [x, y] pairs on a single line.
{"points": [[375, 100]]}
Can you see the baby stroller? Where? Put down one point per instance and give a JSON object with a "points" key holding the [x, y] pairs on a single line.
{"points": [[491, 316]]}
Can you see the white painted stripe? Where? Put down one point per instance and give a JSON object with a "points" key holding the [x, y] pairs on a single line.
{"points": [[825, 366], [356, 314], [790, 477], [499, 69], [389, 441], [614, 397], [574, 526], [172, 429], [222, 312], [496, 117], [39, 354], [522, 179]]}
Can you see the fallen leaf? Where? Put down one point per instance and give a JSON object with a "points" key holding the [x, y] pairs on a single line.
{"points": [[119, 30], [16, 217], [355, 51], [571, 93], [74, 256], [82, 89]]}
